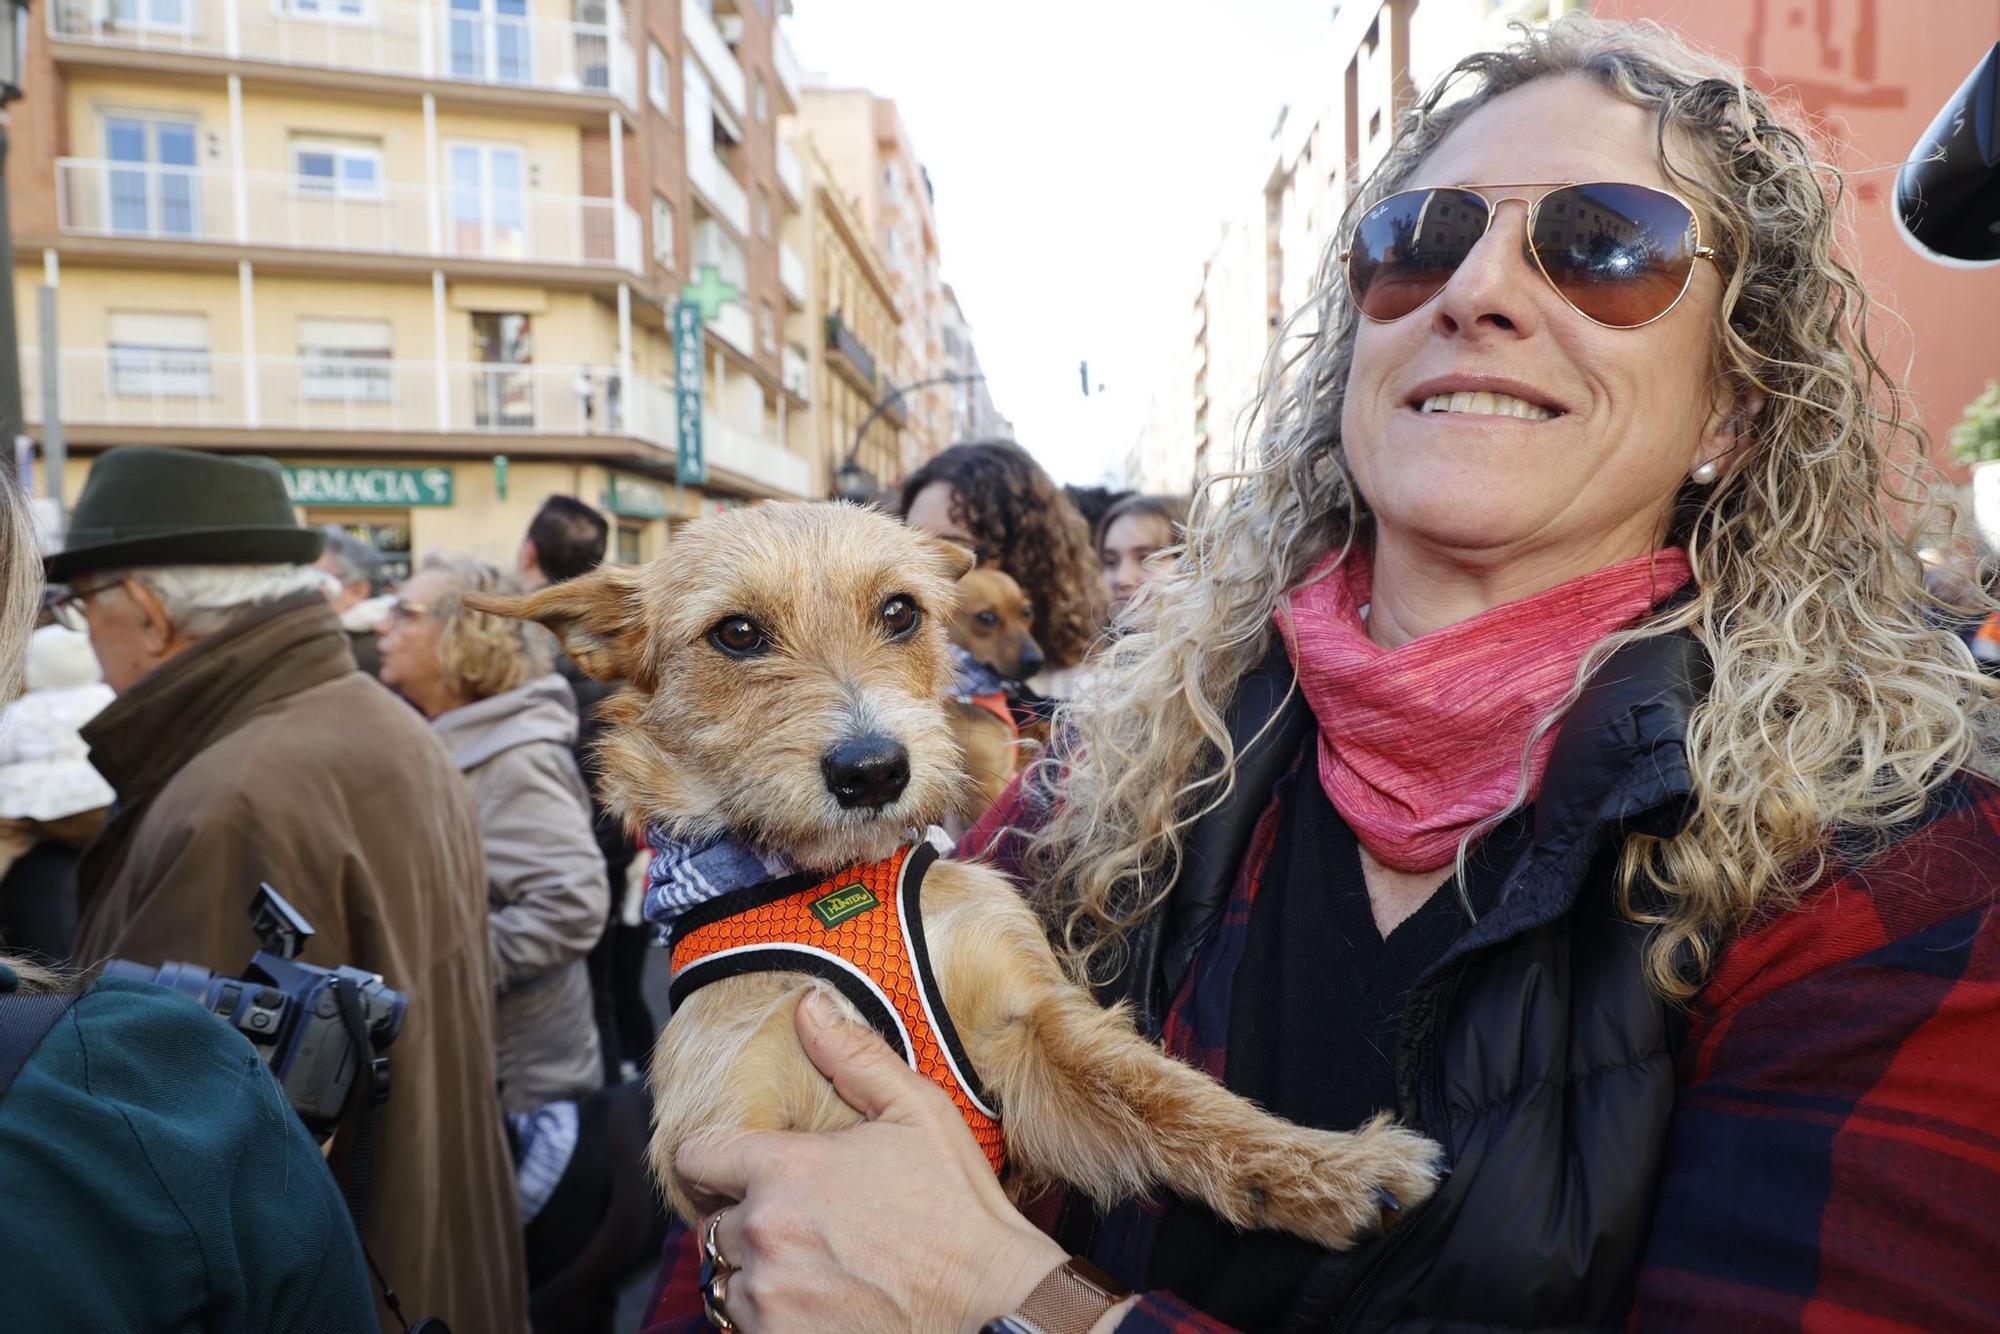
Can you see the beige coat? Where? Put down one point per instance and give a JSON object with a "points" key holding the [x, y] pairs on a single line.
{"points": [[545, 889], [260, 754]]}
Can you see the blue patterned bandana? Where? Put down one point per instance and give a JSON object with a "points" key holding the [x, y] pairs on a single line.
{"points": [[683, 874]]}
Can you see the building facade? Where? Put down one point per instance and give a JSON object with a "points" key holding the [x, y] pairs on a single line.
{"points": [[423, 254], [860, 333], [865, 146]]}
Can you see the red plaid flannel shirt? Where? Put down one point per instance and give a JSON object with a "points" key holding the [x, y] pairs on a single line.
{"points": [[1834, 1158]]}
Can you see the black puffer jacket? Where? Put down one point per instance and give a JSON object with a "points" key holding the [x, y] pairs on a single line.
{"points": [[1532, 1050]]}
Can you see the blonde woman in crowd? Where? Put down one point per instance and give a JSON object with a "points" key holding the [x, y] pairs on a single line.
{"points": [[488, 686], [1544, 745]]}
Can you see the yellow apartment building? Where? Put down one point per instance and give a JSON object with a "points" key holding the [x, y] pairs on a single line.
{"points": [[423, 252], [860, 333], [862, 138]]}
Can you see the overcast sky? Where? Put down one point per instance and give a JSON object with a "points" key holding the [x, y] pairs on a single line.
{"points": [[1084, 154]]}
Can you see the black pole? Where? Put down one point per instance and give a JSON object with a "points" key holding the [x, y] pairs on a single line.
{"points": [[10, 338], [890, 400]]}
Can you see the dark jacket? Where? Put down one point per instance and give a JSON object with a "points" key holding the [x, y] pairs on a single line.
{"points": [[260, 754], [1532, 1050], [155, 1180]]}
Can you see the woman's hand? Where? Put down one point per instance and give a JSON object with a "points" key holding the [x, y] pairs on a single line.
{"points": [[896, 1224]]}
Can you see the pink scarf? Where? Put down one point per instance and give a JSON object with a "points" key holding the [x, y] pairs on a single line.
{"points": [[1420, 743]]}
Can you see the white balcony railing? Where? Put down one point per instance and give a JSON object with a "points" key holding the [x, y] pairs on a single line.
{"points": [[787, 66], [718, 189], [791, 175], [732, 325], [164, 388], [148, 201], [792, 275], [417, 41], [706, 42], [725, 446]]}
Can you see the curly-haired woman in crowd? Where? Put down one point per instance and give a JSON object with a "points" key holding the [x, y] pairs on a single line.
{"points": [[488, 686], [1543, 744], [994, 498]]}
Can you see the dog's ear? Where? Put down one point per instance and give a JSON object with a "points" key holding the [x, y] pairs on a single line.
{"points": [[597, 616], [957, 561]]}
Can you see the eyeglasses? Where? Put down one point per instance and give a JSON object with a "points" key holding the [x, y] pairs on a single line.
{"points": [[71, 607], [1621, 255]]}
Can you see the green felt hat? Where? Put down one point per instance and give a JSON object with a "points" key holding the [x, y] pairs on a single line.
{"points": [[143, 506]]}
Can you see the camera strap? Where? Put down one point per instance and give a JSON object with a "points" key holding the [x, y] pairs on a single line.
{"points": [[357, 1183]]}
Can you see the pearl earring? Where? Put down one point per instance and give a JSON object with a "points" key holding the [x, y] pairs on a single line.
{"points": [[1706, 473]]}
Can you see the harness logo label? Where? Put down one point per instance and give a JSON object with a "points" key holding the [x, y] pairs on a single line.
{"points": [[845, 902]]}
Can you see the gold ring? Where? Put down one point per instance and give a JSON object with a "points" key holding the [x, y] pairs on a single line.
{"points": [[708, 1246], [713, 1293]]}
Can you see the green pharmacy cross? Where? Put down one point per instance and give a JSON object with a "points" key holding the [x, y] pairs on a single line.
{"points": [[710, 293]]}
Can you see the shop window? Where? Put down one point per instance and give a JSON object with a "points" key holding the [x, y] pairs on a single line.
{"points": [[631, 543], [160, 356], [387, 532], [345, 361]]}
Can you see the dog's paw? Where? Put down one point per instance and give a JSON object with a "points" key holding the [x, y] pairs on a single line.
{"points": [[1349, 1185]]}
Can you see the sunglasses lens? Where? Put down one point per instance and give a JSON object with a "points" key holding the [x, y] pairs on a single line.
{"points": [[1407, 247], [1621, 254]]}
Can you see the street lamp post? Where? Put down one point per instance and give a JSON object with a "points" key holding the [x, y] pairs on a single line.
{"points": [[13, 64], [856, 483]]}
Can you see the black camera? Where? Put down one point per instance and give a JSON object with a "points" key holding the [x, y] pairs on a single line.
{"points": [[292, 1012]]}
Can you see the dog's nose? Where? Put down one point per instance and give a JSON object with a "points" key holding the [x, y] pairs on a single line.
{"points": [[1031, 660], [866, 771]]}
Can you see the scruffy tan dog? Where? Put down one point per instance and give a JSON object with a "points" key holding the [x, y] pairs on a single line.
{"points": [[785, 666]]}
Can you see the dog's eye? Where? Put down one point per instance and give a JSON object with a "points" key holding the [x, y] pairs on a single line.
{"points": [[1028, 612], [986, 618], [739, 637], [900, 617]]}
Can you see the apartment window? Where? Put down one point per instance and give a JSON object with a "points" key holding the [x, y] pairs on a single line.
{"points": [[759, 100], [160, 356], [154, 186], [153, 15], [345, 361], [663, 232], [656, 78], [767, 328], [763, 213], [892, 179], [345, 171], [347, 11]]}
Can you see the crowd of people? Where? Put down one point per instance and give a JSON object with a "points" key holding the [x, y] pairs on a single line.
{"points": [[1549, 742]]}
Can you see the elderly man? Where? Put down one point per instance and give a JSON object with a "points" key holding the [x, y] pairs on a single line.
{"points": [[245, 748], [358, 601]]}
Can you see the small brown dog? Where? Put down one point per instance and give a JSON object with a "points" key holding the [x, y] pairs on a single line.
{"points": [[995, 624], [803, 717]]}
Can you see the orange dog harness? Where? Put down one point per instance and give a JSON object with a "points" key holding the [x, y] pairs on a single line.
{"points": [[861, 930]]}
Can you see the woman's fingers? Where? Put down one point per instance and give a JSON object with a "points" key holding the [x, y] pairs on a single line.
{"points": [[723, 1163], [867, 1075]]}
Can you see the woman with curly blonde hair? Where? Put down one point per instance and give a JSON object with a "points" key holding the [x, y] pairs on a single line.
{"points": [[1543, 744], [488, 686]]}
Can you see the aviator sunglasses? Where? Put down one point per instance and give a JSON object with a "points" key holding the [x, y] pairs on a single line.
{"points": [[1621, 255]]}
